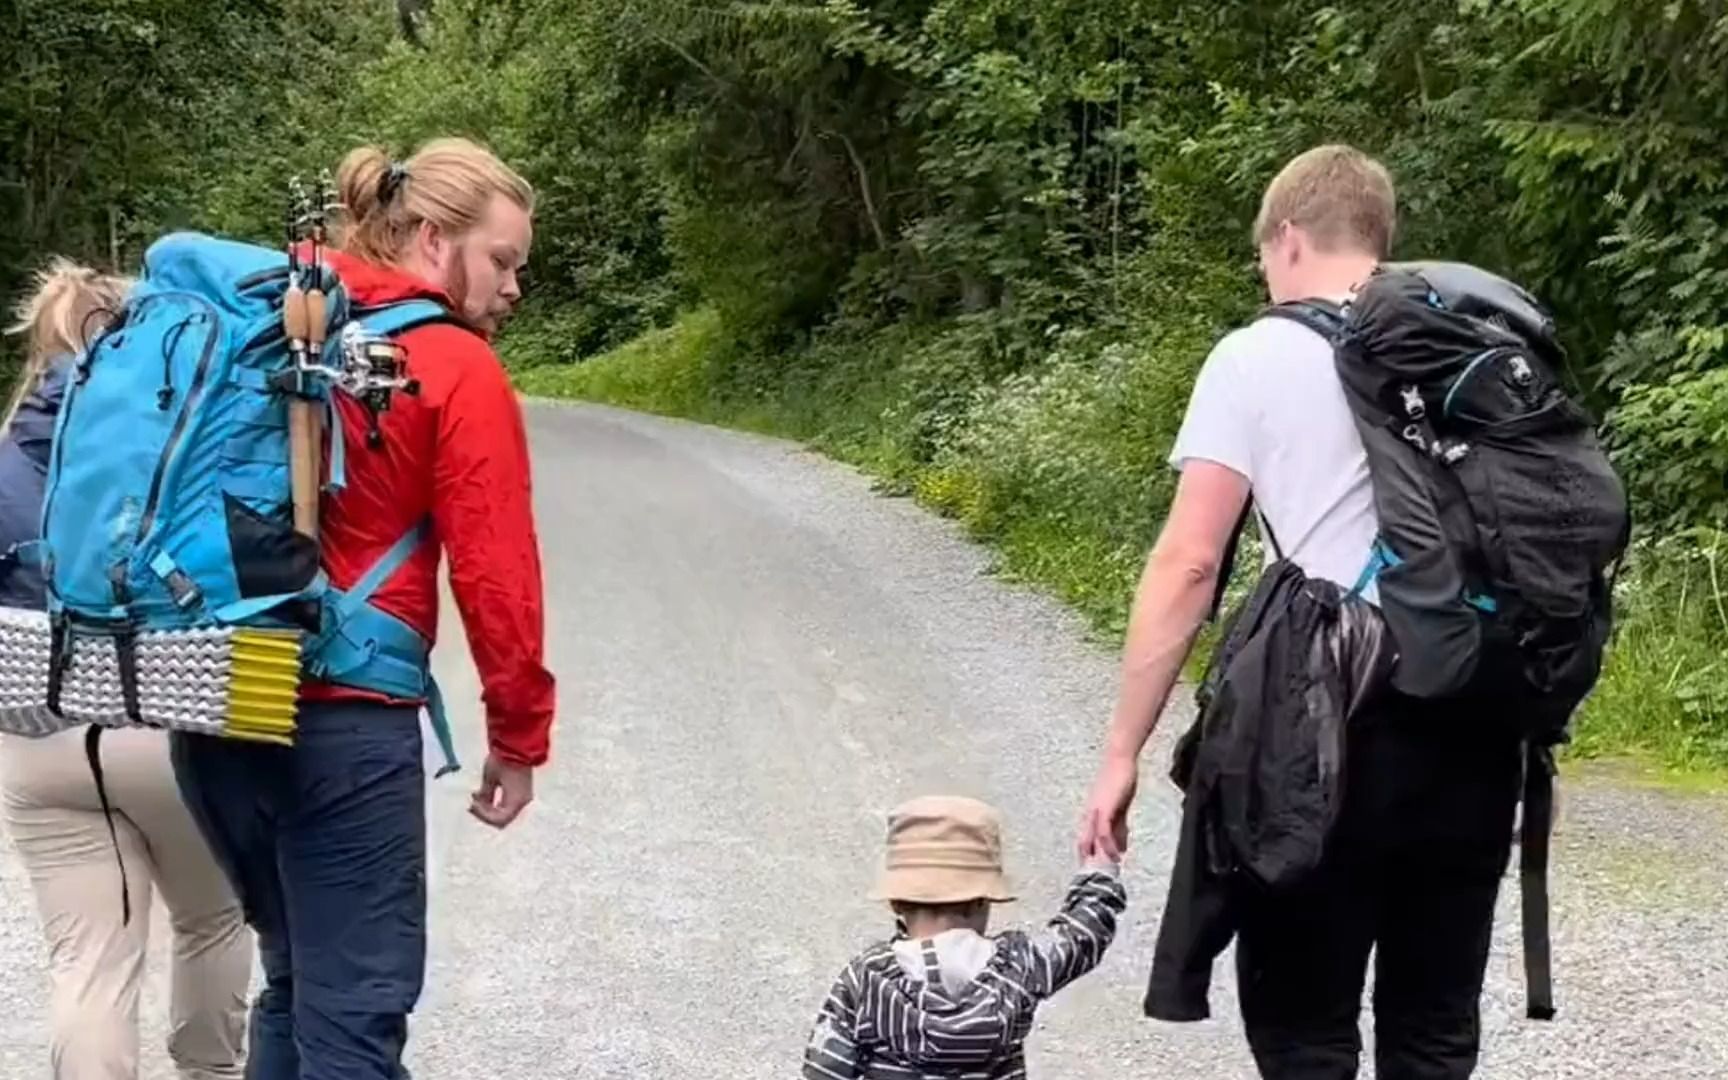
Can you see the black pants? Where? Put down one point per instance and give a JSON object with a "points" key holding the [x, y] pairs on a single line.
{"points": [[1413, 872]]}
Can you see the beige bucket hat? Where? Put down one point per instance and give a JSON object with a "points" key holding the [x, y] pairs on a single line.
{"points": [[943, 849]]}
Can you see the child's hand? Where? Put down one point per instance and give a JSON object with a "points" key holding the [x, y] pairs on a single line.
{"points": [[1098, 862]]}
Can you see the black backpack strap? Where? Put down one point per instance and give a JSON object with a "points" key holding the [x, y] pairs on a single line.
{"points": [[23, 553], [1534, 833], [1227, 565], [93, 755], [1321, 316], [1326, 319]]}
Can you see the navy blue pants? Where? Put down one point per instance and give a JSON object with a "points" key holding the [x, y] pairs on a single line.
{"points": [[326, 845]]}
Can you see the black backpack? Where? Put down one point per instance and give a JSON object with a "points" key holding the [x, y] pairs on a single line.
{"points": [[1501, 518], [1502, 521]]}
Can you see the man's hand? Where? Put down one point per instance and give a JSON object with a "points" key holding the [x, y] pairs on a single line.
{"points": [[1104, 824], [505, 791]]}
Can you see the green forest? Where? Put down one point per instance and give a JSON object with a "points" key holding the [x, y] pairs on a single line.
{"points": [[976, 247]]}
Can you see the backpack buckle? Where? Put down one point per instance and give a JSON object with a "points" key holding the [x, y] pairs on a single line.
{"points": [[1414, 407]]}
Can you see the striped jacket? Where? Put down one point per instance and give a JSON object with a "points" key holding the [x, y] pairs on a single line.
{"points": [[959, 1006]]}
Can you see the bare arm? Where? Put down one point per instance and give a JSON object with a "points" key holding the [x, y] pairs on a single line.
{"points": [[1170, 606], [1174, 598]]}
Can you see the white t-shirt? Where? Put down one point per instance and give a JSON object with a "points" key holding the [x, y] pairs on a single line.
{"points": [[1268, 404]]}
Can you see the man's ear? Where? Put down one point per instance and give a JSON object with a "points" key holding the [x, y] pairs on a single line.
{"points": [[433, 244]]}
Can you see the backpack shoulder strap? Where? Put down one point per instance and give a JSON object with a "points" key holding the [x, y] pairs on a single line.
{"points": [[1326, 319], [1321, 316], [392, 320], [381, 571], [24, 553], [1227, 566]]}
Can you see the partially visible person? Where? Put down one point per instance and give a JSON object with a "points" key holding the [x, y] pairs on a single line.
{"points": [[326, 840], [942, 998], [94, 871]]}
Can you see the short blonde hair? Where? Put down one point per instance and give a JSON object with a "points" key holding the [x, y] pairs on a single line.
{"points": [[1342, 197], [448, 182], [68, 308]]}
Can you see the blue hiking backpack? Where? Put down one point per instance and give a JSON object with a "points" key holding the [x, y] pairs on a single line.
{"points": [[168, 493]]}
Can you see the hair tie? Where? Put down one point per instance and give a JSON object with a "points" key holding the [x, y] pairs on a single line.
{"points": [[394, 178]]}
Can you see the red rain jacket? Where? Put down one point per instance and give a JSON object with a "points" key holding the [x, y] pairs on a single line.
{"points": [[457, 453]]}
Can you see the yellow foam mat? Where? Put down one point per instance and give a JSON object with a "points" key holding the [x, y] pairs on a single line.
{"points": [[264, 685]]}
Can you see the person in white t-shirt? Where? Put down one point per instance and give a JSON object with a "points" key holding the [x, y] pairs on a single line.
{"points": [[1413, 867]]}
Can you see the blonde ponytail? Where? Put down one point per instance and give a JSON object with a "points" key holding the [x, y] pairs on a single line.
{"points": [[70, 306], [447, 182]]}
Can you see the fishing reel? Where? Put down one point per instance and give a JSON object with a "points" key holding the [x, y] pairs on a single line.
{"points": [[367, 367], [374, 370]]}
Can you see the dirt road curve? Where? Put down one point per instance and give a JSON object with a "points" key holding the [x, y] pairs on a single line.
{"points": [[758, 657]]}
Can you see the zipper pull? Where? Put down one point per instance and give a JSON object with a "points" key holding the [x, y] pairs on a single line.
{"points": [[165, 396]]}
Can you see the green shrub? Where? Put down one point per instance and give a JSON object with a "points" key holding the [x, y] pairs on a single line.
{"points": [[1670, 439], [1664, 692], [665, 371]]}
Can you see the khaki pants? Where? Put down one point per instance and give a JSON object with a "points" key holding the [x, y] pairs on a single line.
{"points": [[54, 817]]}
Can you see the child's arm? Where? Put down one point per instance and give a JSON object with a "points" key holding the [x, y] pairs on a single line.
{"points": [[833, 1050], [1075, 940]]}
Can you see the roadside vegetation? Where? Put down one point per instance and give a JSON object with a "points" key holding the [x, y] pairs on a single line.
{"points": [[977, 247]]}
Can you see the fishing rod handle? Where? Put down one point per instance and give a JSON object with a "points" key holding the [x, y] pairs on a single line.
{"points": [[316, 309], [296, 318]]}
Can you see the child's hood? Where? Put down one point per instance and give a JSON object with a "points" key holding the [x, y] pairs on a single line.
{"points": [[956, 1012], [961, 956]]}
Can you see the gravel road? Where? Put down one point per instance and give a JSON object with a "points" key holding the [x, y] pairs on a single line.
{"points": [[758, 658]]}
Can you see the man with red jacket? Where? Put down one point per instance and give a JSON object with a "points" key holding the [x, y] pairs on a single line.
{"points": [[326, 841]]}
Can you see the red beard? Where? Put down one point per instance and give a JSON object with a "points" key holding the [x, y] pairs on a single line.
{"points": [[456, 283]]}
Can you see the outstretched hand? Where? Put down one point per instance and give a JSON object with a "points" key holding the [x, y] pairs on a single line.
{"points": [[1104, 822], [505, 791]]}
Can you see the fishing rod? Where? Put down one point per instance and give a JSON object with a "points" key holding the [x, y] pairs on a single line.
{"points": [[303, 324], [370, 368], [317, 207]]}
